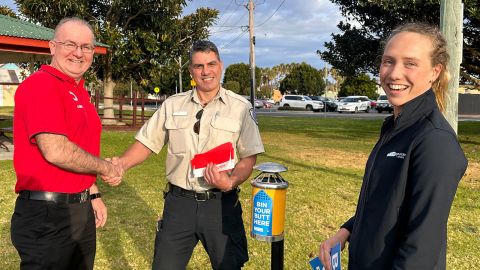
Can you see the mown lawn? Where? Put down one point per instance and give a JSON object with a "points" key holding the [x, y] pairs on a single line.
{"points": [[325, 158]]}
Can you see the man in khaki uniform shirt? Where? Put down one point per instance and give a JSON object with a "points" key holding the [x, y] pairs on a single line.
{"points": [[204, 208]]}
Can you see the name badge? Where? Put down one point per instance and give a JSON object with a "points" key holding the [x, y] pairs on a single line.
{"points": [[180, 114]]}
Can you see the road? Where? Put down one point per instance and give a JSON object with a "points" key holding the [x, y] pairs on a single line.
{"points": [[361, 115]]}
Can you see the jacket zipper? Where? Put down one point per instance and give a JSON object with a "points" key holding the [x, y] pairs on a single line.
{"points": [[363, 202]]}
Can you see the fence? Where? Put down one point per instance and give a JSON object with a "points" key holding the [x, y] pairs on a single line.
{"points": [[130, 111], [468, 104]]}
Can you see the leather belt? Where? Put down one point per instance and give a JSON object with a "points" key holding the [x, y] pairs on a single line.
{"points": [[200, 196], [57, 197]]}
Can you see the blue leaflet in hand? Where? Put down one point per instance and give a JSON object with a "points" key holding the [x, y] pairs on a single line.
{"points": [[335, 259]]}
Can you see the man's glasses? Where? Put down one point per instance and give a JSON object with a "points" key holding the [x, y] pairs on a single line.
{"points": [[196, 126], [71, 46]]}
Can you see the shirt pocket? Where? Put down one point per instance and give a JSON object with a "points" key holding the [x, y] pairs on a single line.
{"points": [[225, 129], [177, 135]]}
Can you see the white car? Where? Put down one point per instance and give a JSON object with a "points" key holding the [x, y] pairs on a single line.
{"points": [[383, 104], [354, 104], [300, 101]]}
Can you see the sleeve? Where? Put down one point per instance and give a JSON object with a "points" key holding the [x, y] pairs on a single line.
{"points": [[436, 166], [44, 110], [153, 133], [249, 142], [349, 224]]}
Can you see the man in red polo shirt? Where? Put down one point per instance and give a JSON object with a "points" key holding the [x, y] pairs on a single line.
{"points": [[56, 158]]}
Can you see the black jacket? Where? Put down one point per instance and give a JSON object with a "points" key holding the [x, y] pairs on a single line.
{"points": [[408, 188]]}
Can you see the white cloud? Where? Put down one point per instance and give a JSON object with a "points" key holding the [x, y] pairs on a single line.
{"points": [[293, 34]]}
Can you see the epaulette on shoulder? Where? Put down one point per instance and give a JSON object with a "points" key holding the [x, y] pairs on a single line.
{"points": [[179, 95], [236, 96]]}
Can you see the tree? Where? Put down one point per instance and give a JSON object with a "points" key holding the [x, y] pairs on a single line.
{"points": [[339, 79], [232, 86], [356, 49], [142, 35], [5, 10], [304, 79], [241, 73], [359, 85]]}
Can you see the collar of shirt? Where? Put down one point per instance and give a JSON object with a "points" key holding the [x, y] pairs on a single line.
{"points": [[60, 75], [220, 95]]}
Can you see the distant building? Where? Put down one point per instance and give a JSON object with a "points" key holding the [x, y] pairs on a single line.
{"points": [[10, 78]]}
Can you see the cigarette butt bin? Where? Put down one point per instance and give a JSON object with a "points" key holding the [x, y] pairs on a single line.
{"points": [[269, 192]]}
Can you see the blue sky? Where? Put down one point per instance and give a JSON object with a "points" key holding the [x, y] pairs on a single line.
{"points": [[286, 31]]}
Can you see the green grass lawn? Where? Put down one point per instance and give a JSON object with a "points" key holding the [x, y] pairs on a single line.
{"points": [[325, 160]]}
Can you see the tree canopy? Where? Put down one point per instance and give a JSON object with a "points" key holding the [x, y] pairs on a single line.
{"points": [[143, 36], [358, 46], [5, 10], [359, 85], [304, 79], [241, 73]]}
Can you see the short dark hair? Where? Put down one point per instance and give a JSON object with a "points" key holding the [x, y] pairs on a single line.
{"points": [[204, 46]]}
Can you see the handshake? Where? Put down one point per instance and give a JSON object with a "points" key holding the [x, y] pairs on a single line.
{"points": [[113, 171]]}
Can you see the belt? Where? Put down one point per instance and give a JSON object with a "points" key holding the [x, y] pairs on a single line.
{"points": [[80, 197], [200, 196]]}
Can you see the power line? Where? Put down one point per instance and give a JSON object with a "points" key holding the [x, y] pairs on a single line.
{"points": [[226, 30], [225, 10], [229, 26], [234, 39], [281, 4], [226, 20]]}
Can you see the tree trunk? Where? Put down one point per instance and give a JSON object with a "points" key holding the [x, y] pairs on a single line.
{"points": [[451, 18], [108, 110], [108, 86]]}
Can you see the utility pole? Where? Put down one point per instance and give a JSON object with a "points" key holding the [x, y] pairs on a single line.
{"points": [[451, 25], [325, 93], [180, 73], [250, 8]]}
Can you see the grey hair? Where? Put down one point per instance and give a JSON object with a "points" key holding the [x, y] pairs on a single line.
{"points": [[204, 46], [77, 20]]}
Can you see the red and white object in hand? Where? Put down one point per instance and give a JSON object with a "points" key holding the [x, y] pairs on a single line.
{"points": [[223, 156]]}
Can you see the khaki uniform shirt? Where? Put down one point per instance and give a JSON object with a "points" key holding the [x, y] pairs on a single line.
{"points": [[227, 118]]}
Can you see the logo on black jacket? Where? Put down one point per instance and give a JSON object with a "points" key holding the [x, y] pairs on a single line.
{"points": [[396, 155]]}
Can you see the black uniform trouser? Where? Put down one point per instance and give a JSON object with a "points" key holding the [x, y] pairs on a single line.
{"points": [[49, 235], [217, 223]]}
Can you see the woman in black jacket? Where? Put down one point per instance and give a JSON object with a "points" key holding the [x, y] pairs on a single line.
{"points": [[413, 171]]}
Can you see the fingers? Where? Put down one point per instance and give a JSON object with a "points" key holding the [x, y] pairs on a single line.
{"points": [[101, 219], [324, 253], [215, 178], [115, 172], [100, 211]]}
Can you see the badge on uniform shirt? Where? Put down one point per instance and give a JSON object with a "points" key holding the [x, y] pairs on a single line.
{"points": [[253, 115]]}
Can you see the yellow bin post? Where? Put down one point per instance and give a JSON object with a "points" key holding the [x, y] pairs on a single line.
{"points": [[269, 192]]}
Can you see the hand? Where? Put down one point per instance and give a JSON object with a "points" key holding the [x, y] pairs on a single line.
{"points": [[325, 247], [115, 172], [100, 211], [220, 180]]}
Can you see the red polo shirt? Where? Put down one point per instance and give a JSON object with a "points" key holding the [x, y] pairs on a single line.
{"points": [[51, 102]]}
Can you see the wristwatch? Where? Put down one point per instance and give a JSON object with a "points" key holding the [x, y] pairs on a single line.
{"points": [[95, 196]]}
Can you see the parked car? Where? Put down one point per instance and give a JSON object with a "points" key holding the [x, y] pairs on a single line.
{"points": [[266, 104], [383, 104], [331, 105], [300, 101], [258, 103], [354, 104]]}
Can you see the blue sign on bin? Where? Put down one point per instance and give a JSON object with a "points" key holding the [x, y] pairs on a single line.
{"points": [[262, 214]]}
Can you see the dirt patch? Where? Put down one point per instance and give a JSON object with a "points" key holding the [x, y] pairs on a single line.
{"points": [[471, 179]]}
